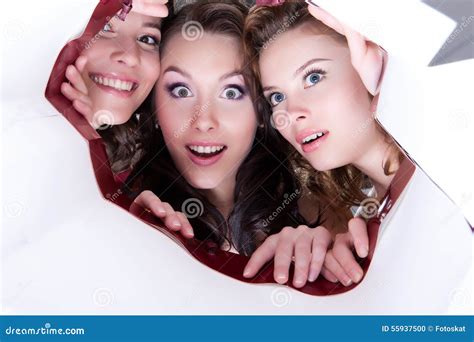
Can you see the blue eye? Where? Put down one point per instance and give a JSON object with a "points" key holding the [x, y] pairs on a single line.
{"points": [[233, 93], [313, 77], [180, 91], [276, 98]]}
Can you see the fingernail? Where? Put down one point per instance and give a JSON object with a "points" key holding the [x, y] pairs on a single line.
{"points": [[347, 282], [177, 224], [299, 282], [356, 276], [246, 273], [281, 278], [312, 276], [365, 252]]}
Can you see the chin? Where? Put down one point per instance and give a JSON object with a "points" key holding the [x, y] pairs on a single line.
{"points": [[202, 183]]}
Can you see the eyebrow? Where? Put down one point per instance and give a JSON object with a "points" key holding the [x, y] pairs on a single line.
{"points": [[178, 70], [308, 63], [230, 74], [301, 69], [154, 25]]}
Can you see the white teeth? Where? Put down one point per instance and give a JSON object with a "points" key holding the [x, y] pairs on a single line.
{"points": [[113, 83], [206, 149], [312, 137]]}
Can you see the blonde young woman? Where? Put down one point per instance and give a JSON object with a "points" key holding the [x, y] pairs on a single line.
{"points": [[319, 77]]}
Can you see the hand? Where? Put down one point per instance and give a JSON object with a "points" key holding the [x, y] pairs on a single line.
{"points": [[154, 8], [76, 90], [173, 220], [366, 56], [307, 245], [340, 263]]}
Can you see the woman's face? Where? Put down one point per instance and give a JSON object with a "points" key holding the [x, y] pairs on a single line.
{"points": [[320, 104], [204, 109], [122, 66]]}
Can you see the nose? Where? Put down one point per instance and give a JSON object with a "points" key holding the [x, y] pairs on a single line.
{"points": [[298, 109], [204, 117], [127, 52]]}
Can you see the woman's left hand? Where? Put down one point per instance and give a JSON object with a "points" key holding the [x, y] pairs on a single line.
{"points": [[307, 246], [153, 8], [366, 56]]}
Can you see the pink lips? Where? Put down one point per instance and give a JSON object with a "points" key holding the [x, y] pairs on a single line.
{"points": [[314, 145], [204, 160], [115, 76]]}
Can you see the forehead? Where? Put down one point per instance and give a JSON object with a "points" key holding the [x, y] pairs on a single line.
{"points": [[136, 20], [295, 47], [212, 51]]}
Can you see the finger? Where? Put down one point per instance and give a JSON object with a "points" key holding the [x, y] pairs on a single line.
{"points": [[147, 199], [74, 76], [329, 275], [332, 265], [72, 94], [342, 251], [82, 108], [171, 219], [326, 19], [302, 260], [80, 64], [283, 255], [367, 59], [360, 237], [151, 8], [186, 229], [321, 243], [261, 256]]}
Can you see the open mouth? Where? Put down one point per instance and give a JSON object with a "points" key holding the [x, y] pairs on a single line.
{"points": [[114, 83], [206, 152], [312, 138]]}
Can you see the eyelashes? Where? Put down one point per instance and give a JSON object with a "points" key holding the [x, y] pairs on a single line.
{"points": [[180, 90]]}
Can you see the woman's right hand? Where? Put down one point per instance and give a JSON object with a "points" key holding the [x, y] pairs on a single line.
{"points": [[340, 263], [173, 220], [76, 90], [153, 8]]}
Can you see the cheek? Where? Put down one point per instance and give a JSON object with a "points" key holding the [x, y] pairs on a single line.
{"points": [[150, 68]]}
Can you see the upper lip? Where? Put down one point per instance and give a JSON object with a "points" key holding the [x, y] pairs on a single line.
{"points": [[115, 76], [302, 135], [204, 143]]}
